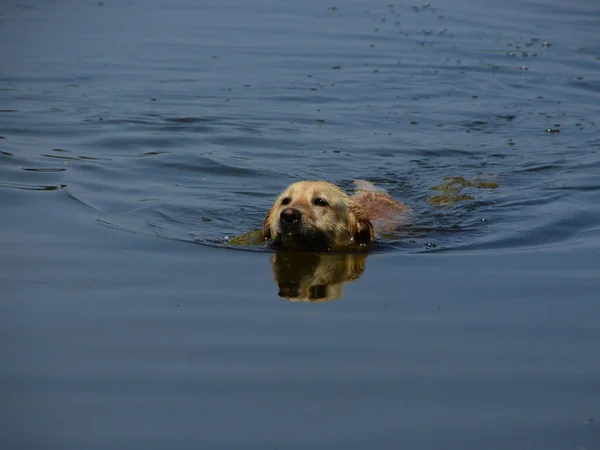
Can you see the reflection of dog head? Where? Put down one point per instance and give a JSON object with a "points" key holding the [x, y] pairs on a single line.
{"points": [[313, 277], [316, 215]]}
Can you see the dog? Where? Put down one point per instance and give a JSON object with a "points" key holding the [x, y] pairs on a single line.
{"points": [[319, 216]]}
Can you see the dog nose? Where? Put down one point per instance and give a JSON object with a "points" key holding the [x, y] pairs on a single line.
{"points": [[290, 215]]}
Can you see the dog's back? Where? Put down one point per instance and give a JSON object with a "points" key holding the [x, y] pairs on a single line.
{"points": [[384, 212]]}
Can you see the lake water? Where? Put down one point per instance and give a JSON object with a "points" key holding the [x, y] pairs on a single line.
{"points": [[137, 138]]}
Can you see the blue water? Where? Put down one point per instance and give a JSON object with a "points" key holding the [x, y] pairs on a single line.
{"points": [[138, 138]]}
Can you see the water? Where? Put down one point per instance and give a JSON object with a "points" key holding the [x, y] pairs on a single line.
{"points": [[138, 138]]}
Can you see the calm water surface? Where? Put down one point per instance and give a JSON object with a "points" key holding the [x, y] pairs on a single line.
{"points": [[138, 138]]}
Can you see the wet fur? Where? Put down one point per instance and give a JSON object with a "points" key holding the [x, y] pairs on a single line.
{"points": [[344, 221]]}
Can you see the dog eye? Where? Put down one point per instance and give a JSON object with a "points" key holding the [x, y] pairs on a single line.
{"points": [[320, 202], [286, 201]]}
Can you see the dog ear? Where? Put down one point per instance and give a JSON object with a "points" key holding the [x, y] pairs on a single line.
{"points": [[360, 226], [266, 229]]}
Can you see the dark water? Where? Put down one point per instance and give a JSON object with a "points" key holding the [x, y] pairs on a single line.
{"points": [[137, 138]]}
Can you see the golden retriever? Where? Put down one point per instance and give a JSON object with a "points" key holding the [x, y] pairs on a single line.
{"points": [[318, 215]]}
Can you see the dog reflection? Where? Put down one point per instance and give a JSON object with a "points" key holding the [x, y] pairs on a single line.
{"points": [[314, 277]]}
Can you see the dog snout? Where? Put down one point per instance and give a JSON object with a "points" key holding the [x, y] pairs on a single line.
{"points": [[290, 216]]}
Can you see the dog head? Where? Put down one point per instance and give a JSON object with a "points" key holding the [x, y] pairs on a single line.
{"points": [[316, 215]]}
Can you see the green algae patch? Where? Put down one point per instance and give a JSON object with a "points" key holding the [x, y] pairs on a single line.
{"points": [[253, 237], [486, 184], [452, 190], [448, 199]]}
